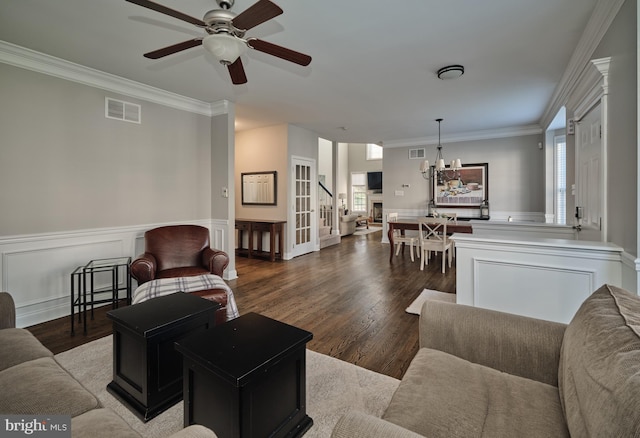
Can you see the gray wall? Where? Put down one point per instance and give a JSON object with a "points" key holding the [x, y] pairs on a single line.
{"points": [[516, 173], [64, 166], [620, 43]]}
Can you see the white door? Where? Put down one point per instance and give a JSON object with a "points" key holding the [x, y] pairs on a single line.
{"points": [[590, 175], [304, 192]]}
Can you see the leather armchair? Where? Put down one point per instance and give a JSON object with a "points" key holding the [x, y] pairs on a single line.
{"points": [[178, 251]]}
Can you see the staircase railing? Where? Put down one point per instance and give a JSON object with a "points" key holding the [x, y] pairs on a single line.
{"points": [[325, 201]]}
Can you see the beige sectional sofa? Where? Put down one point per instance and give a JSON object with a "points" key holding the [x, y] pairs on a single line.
{"points": [[33, 383], [482, 373]]}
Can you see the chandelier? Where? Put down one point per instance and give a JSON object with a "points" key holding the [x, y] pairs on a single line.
{"points": [[442, 172]]}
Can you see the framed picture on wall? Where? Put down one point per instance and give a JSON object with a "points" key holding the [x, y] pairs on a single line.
{"points": [[466, 188]]}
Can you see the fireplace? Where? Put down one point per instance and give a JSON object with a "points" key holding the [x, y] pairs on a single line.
{"points": [[376, 212]]}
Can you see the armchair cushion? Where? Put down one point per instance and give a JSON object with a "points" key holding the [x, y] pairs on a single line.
{"points": [[178, 251], [599, 374], [44, 387], [450, 396], [22, 345], [513, 344]]}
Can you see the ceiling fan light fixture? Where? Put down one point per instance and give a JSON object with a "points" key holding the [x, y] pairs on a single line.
{"points": [[225, 48], [451, 72]]}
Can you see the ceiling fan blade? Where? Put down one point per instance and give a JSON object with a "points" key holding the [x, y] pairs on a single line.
{"points": [[256, 14], [170, 50], [279, 51], [236, 70], [168, 11]]}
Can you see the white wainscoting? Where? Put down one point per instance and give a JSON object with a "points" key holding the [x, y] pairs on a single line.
{"points": [[36, 269], [540, 278]]}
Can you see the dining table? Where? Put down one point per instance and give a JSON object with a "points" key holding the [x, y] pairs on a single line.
{"points": [[412, 224]]}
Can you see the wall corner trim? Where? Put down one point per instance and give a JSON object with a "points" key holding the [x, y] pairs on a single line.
{"points": [[28, 59]]}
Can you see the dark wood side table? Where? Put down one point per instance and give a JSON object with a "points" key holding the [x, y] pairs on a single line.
{"points": [[247, 378], [273, 227], [147, 371]]}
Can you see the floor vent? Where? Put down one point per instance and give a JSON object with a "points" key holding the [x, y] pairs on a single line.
{"points": [[121, 110]]}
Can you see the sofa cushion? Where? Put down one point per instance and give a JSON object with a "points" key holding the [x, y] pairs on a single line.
{"points": [[442, 395], [599, 372], [41, 386], [19, 345], [101, 423]]}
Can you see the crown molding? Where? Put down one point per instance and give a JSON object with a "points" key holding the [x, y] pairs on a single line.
{"points": [[468, 136], [603, 15], [39, 62]]}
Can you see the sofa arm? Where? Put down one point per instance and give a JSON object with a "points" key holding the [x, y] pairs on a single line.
{"points": [[514, 344], [215, 260], [359, 425], [7, 311], [143, 268], [195, 431]]}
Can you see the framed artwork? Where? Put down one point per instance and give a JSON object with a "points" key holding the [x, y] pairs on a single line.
{"points": [[466, 188], [259, 188]]}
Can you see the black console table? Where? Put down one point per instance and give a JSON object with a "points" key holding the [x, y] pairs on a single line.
{"points": [[147, 371], [247, 378]]}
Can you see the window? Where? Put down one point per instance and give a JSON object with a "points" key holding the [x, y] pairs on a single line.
{"points": [[374, 152], [560, 154], [359, 192]]}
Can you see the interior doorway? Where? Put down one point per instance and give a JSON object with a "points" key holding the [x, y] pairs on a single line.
{"points": [[304, 227], [590, 171]]}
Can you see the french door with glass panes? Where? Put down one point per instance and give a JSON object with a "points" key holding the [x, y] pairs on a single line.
{"points": [[304, 193]]}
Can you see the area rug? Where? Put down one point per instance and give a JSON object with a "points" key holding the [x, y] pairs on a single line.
{"points": [[333, 387], [428, 294], [363, 231]]}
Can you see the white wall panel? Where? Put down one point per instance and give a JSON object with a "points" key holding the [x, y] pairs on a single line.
{"points": [[36, 269], [540, 278]]}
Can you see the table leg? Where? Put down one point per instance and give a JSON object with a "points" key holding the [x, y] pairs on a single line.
{"points": [[272, 242], [73, 302], [391, 245], [250, 250], [281, 240]]}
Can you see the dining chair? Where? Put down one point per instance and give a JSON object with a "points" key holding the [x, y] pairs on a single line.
{"points": [[399, 238], [451, 217], [433, 237]]}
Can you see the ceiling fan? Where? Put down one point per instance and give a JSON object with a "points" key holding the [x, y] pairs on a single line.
{"points": [[225, 38]]}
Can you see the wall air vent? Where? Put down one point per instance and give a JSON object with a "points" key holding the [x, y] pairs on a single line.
{"points": [[416, 154], [121, 110]]}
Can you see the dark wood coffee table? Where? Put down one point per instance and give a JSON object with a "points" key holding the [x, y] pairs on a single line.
{"points": [[147, 370], [247, 378]]}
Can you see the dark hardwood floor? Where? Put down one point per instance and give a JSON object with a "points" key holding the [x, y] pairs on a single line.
{"points": [[348, 295]]}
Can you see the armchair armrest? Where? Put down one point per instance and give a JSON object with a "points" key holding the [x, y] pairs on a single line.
{"points": [[359, 425], [514, 344], [7, 311], [215, 260], [143, 268]]}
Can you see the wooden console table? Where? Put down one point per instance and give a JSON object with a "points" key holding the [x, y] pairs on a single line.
{"points": [[273, 227]]}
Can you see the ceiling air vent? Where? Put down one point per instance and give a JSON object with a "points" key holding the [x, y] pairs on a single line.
{"points": [[416, 154], [121, 110]]}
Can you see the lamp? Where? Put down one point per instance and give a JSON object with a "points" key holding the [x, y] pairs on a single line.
{"points": [[342, 196], [224, 47], [439, 166]]}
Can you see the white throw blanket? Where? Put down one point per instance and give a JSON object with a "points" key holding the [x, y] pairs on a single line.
{"points": [[166, 286]]}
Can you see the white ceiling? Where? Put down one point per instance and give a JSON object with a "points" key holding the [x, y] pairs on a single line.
{"points": [[373, 73]]}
